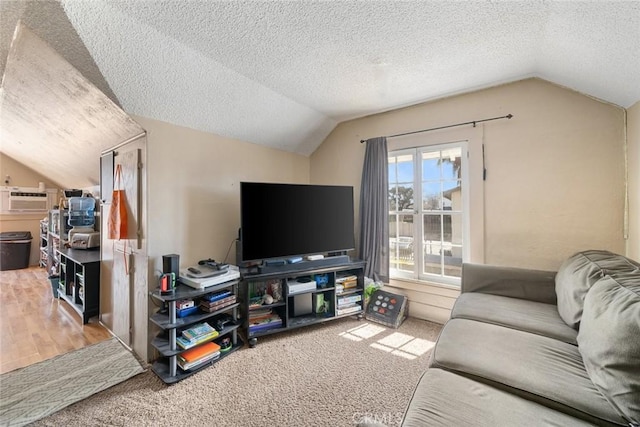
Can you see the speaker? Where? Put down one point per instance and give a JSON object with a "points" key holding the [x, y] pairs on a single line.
{"points": [[171, 264]]}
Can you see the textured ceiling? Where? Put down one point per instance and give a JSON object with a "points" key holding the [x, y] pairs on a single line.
{"points": [[44, 99], [284, 74]]}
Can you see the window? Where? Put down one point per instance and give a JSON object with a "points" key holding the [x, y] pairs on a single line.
{"points": [[428, 212]]}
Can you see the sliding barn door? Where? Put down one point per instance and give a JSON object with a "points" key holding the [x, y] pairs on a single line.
{"points": [[124, 276]]}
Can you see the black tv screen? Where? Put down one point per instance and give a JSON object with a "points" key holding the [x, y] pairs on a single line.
{"points": [[288, 220]]}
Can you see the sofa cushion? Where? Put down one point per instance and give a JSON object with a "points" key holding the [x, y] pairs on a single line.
{"points": [[521, 283], [578, 273], [443, 399], [609, 341], [529, 316], [538, 368]]}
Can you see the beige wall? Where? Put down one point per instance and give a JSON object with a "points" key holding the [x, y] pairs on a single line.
{"points": [[193, 192], [633, 159], [194, 189], [555, 175], [22, 176]]}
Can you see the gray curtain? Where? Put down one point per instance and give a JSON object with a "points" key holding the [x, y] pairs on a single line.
{"points": [[374, 210]]}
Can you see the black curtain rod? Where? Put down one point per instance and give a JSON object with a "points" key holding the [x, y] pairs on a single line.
{"points": [[508, 116]]}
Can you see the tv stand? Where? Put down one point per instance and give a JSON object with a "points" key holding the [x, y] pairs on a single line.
{"points": [[273, 301]]}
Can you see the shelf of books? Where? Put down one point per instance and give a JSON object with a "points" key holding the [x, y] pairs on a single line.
{"points": [[197, 328], [266, 307], [291, 300]]}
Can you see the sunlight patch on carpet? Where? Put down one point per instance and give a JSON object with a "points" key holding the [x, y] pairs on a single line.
{"points": [[362, 332], [395, 340], [36, 391], [396, 343], [403, 345]]}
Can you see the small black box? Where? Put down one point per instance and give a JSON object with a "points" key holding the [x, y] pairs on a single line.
{"points": [[171, 264], [387, 308]]}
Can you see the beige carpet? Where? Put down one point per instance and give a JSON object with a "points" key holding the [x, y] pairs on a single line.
{"points": [[323, 375]]}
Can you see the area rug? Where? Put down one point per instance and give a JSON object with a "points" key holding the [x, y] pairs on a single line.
{"points": [[33, 392]]}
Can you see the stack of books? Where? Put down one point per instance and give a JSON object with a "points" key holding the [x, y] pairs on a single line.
{"points": [[197, 334], [199, 356], [348, 304], [346, 283], [263, 320], [215, 301]]}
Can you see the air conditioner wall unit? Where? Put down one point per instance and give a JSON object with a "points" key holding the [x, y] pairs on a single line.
{"points": [[27, 201]]}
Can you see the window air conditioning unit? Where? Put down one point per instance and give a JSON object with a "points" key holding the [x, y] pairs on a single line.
{"points": [[27, 201]]}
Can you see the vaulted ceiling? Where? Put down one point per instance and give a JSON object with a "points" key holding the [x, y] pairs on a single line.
{"points": [[284, 74]]}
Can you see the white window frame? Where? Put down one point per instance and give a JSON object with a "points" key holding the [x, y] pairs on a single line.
{"points": [[418, 212]]}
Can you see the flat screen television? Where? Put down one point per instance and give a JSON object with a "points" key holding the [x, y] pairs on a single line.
{"points": [[289, 220]]}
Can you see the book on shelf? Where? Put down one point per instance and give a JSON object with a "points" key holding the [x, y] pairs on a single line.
{"points": [[197, 331], [347, 310], [186, 344], [349, 299], [265, 326], [271, 318], [350, 278], [200, 355], [216, 296], [260, 312], [350, 284], [187, 366], [264, 313], [256, 302], [199, 352], [268, 321], [210, 307], [349, 304]]}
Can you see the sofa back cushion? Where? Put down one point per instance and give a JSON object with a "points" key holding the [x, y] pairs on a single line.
{"points": [[578, 273], [609, 341]]}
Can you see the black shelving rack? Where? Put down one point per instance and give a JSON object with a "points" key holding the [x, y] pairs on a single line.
{"points": [[284, 307], [166, 366]]}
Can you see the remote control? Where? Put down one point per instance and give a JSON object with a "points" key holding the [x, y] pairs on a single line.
{"points": [[194, 270]]}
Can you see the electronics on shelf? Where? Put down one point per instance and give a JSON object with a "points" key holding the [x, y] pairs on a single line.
{"points": [[300, 284], [231, 273]]}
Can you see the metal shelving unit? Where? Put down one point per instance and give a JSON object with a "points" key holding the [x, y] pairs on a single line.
{"points": [[166, 367]]}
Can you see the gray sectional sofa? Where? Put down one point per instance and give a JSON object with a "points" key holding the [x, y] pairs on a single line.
{"points": [[528, 348]]}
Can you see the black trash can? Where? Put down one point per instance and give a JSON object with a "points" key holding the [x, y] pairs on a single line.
{"points": [[15, 249]]}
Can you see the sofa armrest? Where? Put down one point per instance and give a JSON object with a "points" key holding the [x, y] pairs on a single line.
{"points": [[533, 285]]}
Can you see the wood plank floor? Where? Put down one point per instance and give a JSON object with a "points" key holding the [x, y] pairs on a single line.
{"points": [[34, 326]]}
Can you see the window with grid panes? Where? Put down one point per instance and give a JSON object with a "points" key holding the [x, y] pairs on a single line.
{"points": [[427, 212]]}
